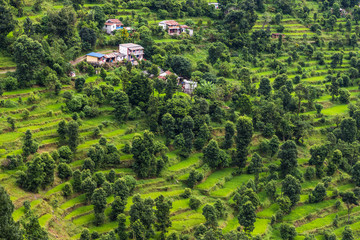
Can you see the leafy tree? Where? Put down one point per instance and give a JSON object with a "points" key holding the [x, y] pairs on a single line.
{"points": [[121, 189], [9, 229], [202, 137], [73, 135], [349, 199], [85, 234], [11, 121], [98, 199], [194, 177], [88, 186], [214, 156], [194, 203], [7, 21], [347, 234], [180, 65], [229, 134], [284, 204], [67, 190], [291, 187], [162, 214], [33, 230], [88, 38], [62, 131], [244, 129], [139, 90], [265, 87], [64, 171], [217, 51], [348, 130], [121, 229], [210, 215], [287, 231], [270, 189], [117, 207], [138, 230], [255, 165], [187, 131], [28, 55], [247, 216], [355, 173], [288, 157], [142, 211], [171, 86], [49, 169], [274, 145], [34, 175], [29, 145], [318, 155], [318, 194], [79, 83], [168, 124]]}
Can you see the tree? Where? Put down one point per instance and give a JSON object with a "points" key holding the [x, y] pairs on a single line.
{"points": [[117, 207], [194, 203], [121, 229], [355, 173], [79, 83], [67, 190], [98, 199], [348, 130], [287, 231], [11, 121], [139, 90], [61, 24], [142, 211], [288, 157], [193, 178], [247, 216], [187, 131], [180, 65], [171, 86], [168, 124], [214, 156], [162, 214], [7, 21], [88, 38], [49, 169], [62, 132], [291, 187], [121, 189], [34, 175], [229, 134], [256, 165], [265, 87], [29, 145], [244, 132], [9, 229], [33, 230], [64, 171], [274, 145], [76, 184], [88, 186], [28, 55], [347, 234], [210, 215], [318, 194], [138, 230], [73, 135], [349, 199], [85, 234]]}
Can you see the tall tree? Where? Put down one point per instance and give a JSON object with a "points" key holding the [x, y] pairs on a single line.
{"points": [[121, 229], [9, 229], [244, 128], [229, 134], [291, 187], [210, 215], [98, 199], [7, 21], [288, 157], [29, 145], [28, 56], [214, 156], [117, 207], [162, 214], [350, 200], [247, 216], [73, 135]]}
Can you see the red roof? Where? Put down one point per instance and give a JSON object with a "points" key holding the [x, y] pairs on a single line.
{"points": [[161, 77], [185, 26], [114, 20], [171, 22], [168, 72], [110, 24]]}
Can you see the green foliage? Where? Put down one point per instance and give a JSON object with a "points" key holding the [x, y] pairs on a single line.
{"points": [[214, 156], [244, 131]]}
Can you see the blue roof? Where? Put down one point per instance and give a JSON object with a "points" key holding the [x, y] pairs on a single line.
{"points": [[94, 54]]}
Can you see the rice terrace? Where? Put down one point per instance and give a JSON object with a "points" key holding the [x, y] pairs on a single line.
{"points": [[179, 119]]}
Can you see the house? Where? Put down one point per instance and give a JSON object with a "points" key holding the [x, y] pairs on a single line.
{"points": [[188, 86], [114, 57], [112, 24], [277, 35], [216, 5], [95, 58], [186, 29], [130, 51], [163, 75]]}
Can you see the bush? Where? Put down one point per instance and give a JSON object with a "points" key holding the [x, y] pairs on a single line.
{"points": [[310, 173], [194, 203]]}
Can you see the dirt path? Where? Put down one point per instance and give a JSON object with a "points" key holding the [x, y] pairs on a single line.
{"points": [[3, 71]]}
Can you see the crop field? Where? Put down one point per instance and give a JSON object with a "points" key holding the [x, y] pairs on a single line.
{"points": [[314, 107]]}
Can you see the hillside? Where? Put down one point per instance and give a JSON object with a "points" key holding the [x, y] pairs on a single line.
{"points": [[237, 122]]}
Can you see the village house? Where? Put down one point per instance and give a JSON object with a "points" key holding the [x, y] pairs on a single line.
{"points": [[188, 86], [215, 4], [174, 28], [113, 24], [95, 58], [132, 51], [277, 35]]}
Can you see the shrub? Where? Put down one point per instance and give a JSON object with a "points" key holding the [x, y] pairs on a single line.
{"points": [[194, 203]]}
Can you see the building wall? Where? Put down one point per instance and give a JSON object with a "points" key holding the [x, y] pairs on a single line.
{"points": [[91, 59], [123, 50]]}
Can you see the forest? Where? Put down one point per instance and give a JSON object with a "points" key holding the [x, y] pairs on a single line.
{"points": [[179, 119]]}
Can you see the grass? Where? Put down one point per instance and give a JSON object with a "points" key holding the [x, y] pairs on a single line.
{"points": [[191, 161], [215, 178], [230, 186], [73, 202]]}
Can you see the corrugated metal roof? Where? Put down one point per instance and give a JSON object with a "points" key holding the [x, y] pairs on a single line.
{"points": [[94, 54]]}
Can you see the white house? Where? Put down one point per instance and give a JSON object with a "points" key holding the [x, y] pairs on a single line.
{"points": [[186, 29], [112, 24], [216, 5], [130, 51], [174, 28], [188, 86]]}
